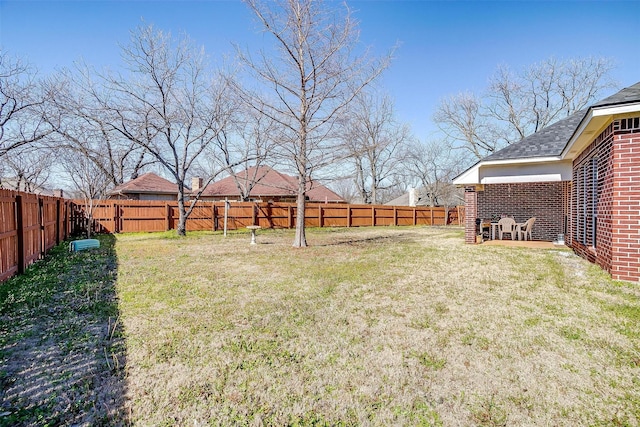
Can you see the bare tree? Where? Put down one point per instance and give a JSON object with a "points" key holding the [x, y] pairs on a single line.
{"points": [[546, 92], [26, 169], [519, 104], [247, 146], [376, 141], [462, 119], [171, 104], [87, 181], [430, 167], [20, 101], [347, 189], [80, 123], [313, 75]]}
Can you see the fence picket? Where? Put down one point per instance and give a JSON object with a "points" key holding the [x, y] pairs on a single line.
{"points": [[30, 225]]}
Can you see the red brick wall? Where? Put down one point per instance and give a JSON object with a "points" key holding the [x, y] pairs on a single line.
{"points": [[470, 207], [617, 244], [625, 251], [544, 200], [582, 235], [567, 210]]}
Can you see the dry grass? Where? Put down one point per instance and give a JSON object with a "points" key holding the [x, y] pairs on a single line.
{"points": [[385, 326]]}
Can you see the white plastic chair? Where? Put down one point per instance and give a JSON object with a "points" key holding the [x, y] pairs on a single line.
{"points": [[524, 230], [507, 225]]}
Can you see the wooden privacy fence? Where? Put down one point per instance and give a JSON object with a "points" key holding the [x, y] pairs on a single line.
{"points": [[30, 225], [122, 216]]}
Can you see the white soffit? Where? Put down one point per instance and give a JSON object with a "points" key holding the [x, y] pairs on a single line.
{"points": [[539, 169], [514, 179], [593, 124], [468, 177], [549, 171]]}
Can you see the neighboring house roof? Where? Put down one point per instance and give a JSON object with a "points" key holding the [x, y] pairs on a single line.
{"points": [[20, 185], [268, 183], [149, 183], [399, 201], [404, 199], [547, 154]]}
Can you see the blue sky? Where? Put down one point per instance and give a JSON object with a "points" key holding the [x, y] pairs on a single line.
{"points": [[445, 47]]}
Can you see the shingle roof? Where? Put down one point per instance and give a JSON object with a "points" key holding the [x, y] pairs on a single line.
{"points": [[551, 140], [625, 96], [147, 183], [404, 200], [269, 183]]}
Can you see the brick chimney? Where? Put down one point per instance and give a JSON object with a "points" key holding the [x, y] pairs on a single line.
{"points": [[196, 183]]}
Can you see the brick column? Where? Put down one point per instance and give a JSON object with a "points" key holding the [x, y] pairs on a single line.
{"points": [[625, 251], [471, 212]]}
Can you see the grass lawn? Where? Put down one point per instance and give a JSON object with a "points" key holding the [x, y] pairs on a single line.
{"points": [[368, 326]]}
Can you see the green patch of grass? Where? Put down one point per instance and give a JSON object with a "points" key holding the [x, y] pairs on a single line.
{"points": [[472, 338], [430, 361], [420, 413], [630, 315], [423, 322], [489, 413], [58, 313], [572, 333]]}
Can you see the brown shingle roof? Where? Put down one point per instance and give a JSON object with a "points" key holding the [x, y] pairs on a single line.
{"points": [[269, 183], [147, 183]]}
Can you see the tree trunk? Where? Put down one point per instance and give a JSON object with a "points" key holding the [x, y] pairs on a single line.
{"points": [[182, 220], [89, 215], [300, 240]]}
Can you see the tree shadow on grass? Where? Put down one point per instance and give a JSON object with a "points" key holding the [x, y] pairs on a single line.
{"points": [[358, 241], [62, 353]]}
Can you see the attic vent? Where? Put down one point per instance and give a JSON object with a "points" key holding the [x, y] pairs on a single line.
{"points": [[630, 124]]}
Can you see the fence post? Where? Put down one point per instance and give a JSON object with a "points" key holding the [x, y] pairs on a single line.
{"points": [[431, 210], [57, 221], [290, 216], [20, 232], [395, 216], [226, 216], [116, 218], [320, 216], [254, 208], [214, 216], [67, 218], [167, 212], [415, 216], [373, 216], [348, 215], [41, 225]]}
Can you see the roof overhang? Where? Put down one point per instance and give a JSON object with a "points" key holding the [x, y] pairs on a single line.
{"points": [[535, 169], [546, 169], [592, 125]]}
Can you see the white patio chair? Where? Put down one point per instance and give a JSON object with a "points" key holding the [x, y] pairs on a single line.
{"points": [[524, 230], [507, 225]]}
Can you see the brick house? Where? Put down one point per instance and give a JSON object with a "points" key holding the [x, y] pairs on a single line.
{"points": [[265, 184], [145, 187], [580, 177]]}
